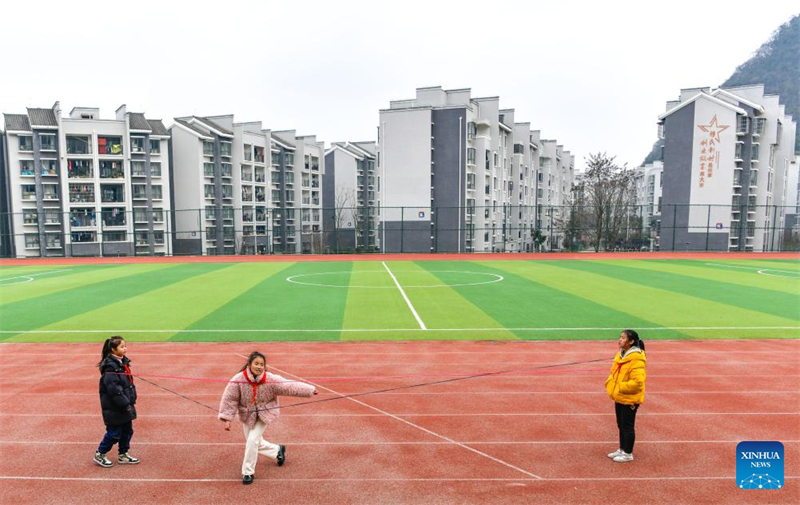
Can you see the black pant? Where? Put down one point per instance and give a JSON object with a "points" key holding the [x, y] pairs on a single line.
{"points": [[117, 434], [626, 419]]}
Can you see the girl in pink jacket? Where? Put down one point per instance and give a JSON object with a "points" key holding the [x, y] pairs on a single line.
{"points": [[253, 393]]}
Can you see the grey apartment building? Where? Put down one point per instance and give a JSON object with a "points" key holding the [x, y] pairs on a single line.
{"points": [[459, 174], [244, 189], [727, 156], [85, 186], [350, 197]]}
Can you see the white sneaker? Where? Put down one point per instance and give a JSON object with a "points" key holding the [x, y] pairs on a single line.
{"points": [[616, 453], [623, 458]]}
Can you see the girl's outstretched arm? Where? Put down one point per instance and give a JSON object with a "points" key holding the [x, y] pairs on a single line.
{"points": [[285, 387]]}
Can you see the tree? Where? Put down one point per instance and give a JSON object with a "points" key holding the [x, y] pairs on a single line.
{"points": [[538, 239], [608, 192], [343, 212]]}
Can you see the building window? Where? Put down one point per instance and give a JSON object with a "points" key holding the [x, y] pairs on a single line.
{"points": [[472, 130], [48, 141], [112, 193], [225, 148], [26, 168], [208, 148], [157, 193], [137, 144], [31, 240], [113, 216], [81, 193], [155, 146], [742, 124], [109, 145], [754, 152], [79, 144], [208, 169], [114, 236], [111, 169], [470, 155], [25, 143], [29, 192], [84, 236], [155, 169]]}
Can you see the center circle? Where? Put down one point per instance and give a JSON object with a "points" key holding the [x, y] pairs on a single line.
{"points": [[302, 279]]}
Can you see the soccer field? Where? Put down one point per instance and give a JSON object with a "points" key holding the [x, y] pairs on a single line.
{"points": [[401, 300]]}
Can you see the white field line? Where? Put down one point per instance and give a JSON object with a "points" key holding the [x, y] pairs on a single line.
{"points": [[272, 480], [30, 277], [759, 269], [456, 393], [79, 366], [437, 435], [385, 330], [408, 302], [516, 352], [554, 443], [447, 414]]}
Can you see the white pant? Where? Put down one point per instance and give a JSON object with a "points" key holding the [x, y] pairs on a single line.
{"points": [[256, 445]]}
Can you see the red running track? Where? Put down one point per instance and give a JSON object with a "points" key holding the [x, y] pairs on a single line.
{"points": [[398, 257], [503, 439]]}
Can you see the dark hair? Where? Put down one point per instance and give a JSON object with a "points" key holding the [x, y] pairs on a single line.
{"points": [[634, 337], [251, 358], [108, 346]]}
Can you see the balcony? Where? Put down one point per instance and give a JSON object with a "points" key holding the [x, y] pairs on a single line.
{"points": [[112, 193], [111, 170], [50, 192], [109, 145], [225, 148]]}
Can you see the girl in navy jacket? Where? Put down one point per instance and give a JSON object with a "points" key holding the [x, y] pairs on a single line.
{"points": [[118, 401]]}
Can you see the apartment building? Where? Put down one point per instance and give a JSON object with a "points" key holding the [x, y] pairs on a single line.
{"points": [[460, 175], [555, 180], [298, 158], [726, 162], [350, 196], [649, 182], [238, 188], [85, 186]]}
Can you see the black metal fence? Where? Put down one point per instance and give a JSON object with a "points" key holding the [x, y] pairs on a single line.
{"points": [[255, 230]]}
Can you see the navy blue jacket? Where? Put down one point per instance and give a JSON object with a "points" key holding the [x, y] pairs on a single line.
{"points": [[117, 392]]}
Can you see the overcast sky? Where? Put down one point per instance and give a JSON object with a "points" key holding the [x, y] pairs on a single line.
{"points": [[593, 75]]}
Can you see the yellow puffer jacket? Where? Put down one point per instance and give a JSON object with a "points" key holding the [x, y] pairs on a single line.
{"points": [[625, 383]]}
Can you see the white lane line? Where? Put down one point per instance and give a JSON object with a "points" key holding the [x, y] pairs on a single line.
{"points": [[457, 393], [416, 364], [272, 480], [422, 328], [408, 302], [409, 423], [348, 443], [448, 414], [519, 353]]}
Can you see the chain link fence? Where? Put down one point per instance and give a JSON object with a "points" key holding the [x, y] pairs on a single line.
{"points": [[259, 230]]}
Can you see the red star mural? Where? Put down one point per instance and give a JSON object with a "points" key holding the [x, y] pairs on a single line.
{"points": [[713, 128]]}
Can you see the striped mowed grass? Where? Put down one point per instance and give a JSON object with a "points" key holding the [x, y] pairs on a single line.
{"points": [[401, 300]]}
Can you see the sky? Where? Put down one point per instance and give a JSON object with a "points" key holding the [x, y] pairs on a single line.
{"points": [[592, 74]]}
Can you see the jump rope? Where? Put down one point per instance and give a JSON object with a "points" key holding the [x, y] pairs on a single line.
{"points": [[365, 393]]}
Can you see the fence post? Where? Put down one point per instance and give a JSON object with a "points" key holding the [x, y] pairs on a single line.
{"points": [[402, 227], [435, 216], [708, 225], [674, 224], [774, 218]]}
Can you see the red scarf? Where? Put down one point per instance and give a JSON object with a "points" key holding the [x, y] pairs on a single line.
{"points": [[254, 383], [128, 372]]}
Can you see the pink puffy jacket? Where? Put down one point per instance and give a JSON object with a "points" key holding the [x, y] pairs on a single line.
{"points": [[238, 396]]}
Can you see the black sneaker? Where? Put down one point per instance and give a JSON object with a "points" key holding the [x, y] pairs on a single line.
{"points": [[127, 459], [247, 479], [282, 455], [102, 460]]}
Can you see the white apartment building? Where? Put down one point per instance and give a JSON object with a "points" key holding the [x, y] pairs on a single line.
{"points": [[350, 196], [649, 182], [86, 186], [726, 162], [459, 175], [239, 188]]}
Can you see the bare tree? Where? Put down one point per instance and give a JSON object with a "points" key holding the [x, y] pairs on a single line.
{"points": [[343, 212], [607, 190]]}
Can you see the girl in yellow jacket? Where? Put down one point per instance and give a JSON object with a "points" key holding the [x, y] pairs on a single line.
{"points": [[625, 385]]}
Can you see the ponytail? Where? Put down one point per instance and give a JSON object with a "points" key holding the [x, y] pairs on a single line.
{"points": [[109, 345], [251, 358], [634, 338]]}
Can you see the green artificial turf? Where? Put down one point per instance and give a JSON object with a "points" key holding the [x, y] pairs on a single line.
{"points": [[588, 299]]}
